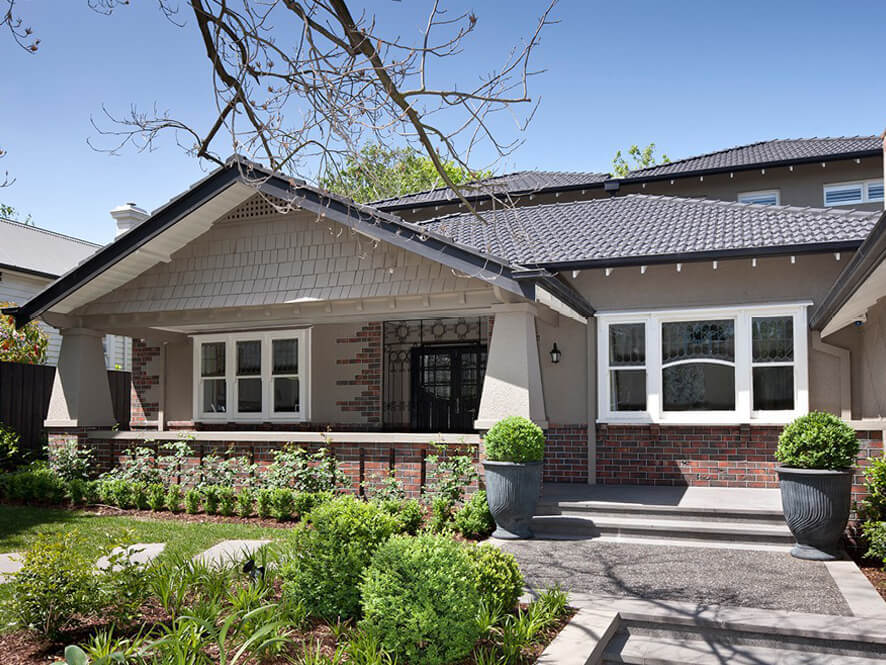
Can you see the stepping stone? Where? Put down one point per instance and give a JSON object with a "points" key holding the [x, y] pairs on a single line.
{"points": [[230, 551], [140, 553], [10, 564]]}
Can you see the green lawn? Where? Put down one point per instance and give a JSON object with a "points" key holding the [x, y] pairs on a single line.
{"points": [[19, 525]]}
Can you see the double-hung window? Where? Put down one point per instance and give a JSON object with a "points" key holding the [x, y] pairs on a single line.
{"points": [[850, 193], [257, 376], [703, 365]]}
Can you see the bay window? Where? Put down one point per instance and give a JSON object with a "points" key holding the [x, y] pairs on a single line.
{"points": [[703, 365], [251, 376]]}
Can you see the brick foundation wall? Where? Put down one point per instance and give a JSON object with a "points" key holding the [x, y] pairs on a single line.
{"points": [[566, 454], [367, 362], [699, 456], [871, 446], [145, 401]]}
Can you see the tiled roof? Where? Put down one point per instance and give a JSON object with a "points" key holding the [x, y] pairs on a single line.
{"points": [[635, 226], [33, 249], [766, 152], [510, 183]]}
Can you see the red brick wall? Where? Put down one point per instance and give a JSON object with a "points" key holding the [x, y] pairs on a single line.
{"points": [[144, 404], [566, 454], [871, 446], [367, 363], [701, 456]]}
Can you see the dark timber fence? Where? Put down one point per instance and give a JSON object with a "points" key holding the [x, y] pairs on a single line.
{"points": [[24, 399]]}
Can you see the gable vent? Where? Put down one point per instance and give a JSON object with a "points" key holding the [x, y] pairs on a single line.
{"points": [[257, 206]]}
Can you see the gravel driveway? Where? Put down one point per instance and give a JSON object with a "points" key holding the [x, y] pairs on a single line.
{"points": [[769, 580]]}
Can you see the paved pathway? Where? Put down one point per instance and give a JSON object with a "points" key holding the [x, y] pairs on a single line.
{"points": [[140, 553], [231, 550], [770, 580], [10, 564]]}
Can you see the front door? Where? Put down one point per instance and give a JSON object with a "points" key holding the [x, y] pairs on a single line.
{"points": [[446, 386]]}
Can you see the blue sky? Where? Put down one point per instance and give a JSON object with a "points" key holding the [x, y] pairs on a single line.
{"points": [[690, 76]]}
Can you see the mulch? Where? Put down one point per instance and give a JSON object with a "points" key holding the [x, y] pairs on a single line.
{"points": [[202, 518], [877, 577]]}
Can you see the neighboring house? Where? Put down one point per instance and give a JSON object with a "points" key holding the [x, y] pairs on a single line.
{"points": [[656, 339], [31, 258]]}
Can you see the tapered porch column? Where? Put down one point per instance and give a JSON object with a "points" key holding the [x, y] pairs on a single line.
{"points": [[81, 396], [512, 386]]}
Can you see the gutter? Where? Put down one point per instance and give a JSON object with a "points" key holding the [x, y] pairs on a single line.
{"points": [[28, 271]]}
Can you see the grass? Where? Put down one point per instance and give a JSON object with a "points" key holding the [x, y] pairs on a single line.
{"points": [[20, 525]]}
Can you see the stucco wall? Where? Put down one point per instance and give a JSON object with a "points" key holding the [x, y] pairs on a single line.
{"points": [[564, 384]]}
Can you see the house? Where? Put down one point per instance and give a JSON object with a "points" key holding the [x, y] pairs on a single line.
{"points": [[657, 339], [31, 258]]}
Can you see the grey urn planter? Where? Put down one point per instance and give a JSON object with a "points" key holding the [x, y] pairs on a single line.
{"points": [[512, 490], [816, 507]]}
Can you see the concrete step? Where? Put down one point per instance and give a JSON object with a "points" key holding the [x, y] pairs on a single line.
{"points": [[660, 650], [640, 527], [660, 512]]}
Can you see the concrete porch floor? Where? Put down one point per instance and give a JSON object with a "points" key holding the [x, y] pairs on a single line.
{"points": [[698, 498]]}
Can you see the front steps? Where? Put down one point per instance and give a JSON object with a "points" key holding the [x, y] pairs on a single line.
{"points": [[727, 526]]}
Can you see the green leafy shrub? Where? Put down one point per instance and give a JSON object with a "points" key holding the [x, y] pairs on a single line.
{"points": [[874, 506], [817, 440], [156, 497], [419, 596], [227, 501], [474, 520], [140, 495], [93, 491], [441, 514], [35, 484], [304, 502], [174, 499], [119, 493], [245, 502], [297, 469], [193, 497], [56, 583], [326, 560], [282, 504], [498, 577], [450, 473], [410, 516], [77, 491], [875, 535], [10, 453], [515, 439], [138, 465], [264, 502], [68, 460], [210, 499]]}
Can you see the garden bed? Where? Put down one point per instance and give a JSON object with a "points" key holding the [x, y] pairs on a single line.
{"points": [[877, 577]]}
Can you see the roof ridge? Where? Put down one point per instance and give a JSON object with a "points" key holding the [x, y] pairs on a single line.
{"points": [[50, 232]]}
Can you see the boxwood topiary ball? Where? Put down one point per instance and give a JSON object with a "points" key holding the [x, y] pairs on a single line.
{"points": [[515, 439], [817, 440]]}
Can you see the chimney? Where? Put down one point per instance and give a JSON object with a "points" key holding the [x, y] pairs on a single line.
{"points": [[128, 216]]}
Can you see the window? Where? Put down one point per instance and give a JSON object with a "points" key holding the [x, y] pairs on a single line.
{"points": [[849, 193], [768, 197], [703, 365], [262, 376]]}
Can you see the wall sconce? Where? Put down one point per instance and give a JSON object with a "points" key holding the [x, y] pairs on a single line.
{"points": [[555, 354]]}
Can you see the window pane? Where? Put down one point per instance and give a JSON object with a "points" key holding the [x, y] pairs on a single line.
{"points": [[773, 339], [286, 395], [249, 358], [773, 388], [249, 395], [685, 340], [627, 344], [212, 359], [699, 387], [285, 356], [843, 194], [214, 396], [627, 390]]}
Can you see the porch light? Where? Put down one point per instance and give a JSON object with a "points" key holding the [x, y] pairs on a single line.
{"points": [[555, 354]]}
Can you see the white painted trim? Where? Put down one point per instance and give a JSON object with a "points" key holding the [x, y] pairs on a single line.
{"points": [[266, 337], [744, 367], [760, 193], [288, 436]]}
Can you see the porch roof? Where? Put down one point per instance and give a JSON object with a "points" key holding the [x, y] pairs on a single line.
{"points": [[192, 213]]}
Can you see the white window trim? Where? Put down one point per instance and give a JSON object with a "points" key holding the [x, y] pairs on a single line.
{"points": [[743, 412], [303, 335], [863, 184], [761, 192]]}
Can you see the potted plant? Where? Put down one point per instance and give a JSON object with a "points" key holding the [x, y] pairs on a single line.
{"points": [[514, 450], [817, 452]]}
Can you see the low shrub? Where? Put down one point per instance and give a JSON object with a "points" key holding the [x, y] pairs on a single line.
{"points": [[245, 502], [138, 465], [35, 484], [10, 453], [77, 491], [817, 440], [93, 491], [55, 584], [325, 561], [68, 460], [441, 514], [119, 493], [282, 504], [875, 535], [304, 502], [227, 501], [140, 495], [410, 515], [174, 499], [874, 506], [474, 520], [210, 499], [515, 439], [498, 578], [156, 497], [420, 598], [193, 497], [264, 502], [296, 468], [450, 474]]}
